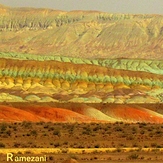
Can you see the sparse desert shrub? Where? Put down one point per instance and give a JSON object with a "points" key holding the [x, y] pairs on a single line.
{"points": [[86, 133], [71, 130], [51, 129], [2, 145], [95, 152], [97, 128], [8, 132], [158, 132], [46, 126], [109, 158], [65, 143], [33, 133], [14, 128], [133, 156], [44, 134], [118, 150], [118, 128], [3, 127], [153, 145], [142, 157], [159, 146], [16, 144], [51, 158], [34, 146], [108, 132], [130, 137], [134, 130], [117, 122], [135, 145], [121, 145], [40, 123], [64, 150], [141, 125], [56, 144], [10, 126], [95, 158], [150, 129], [57, 132], [27, 124], [72, 156], [97, 146], [80, 146], [142, 132], [28, 134], [87, 130], [30, 142], [150, 135], [123, 135]]}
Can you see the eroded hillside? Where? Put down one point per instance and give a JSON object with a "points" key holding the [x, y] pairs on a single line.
{"points": [[66, 66], [51, 80], [80, 33], [76, 112]]}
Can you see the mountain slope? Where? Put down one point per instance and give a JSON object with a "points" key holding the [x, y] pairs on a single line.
{"points": [[80, 33]]}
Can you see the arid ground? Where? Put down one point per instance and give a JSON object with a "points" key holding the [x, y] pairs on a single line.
{"points": [[85, 142]]}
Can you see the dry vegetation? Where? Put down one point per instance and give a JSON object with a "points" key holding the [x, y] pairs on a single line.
{"points": [[86, 142]]}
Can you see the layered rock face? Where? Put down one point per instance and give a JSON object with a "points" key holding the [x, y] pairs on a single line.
{"points": [[76, 112], [79, 58], [51, 80], [86, 34]]}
